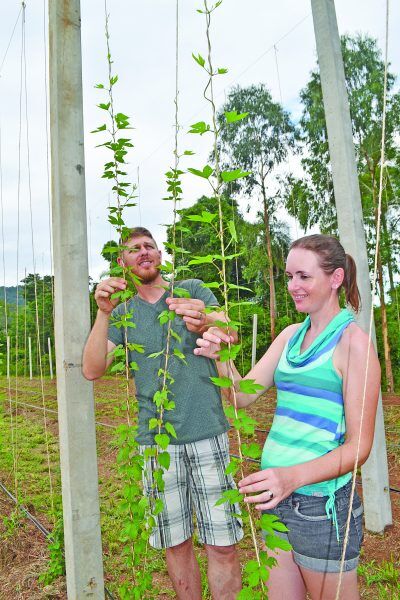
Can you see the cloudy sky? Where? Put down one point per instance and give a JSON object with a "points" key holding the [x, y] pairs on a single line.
{"points": [[257, 40]]}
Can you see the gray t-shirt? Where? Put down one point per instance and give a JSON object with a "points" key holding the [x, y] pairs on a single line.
{"points": [[198, 412]]}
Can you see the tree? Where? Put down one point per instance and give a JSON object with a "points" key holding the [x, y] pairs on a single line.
{"points": [[258, 143], [312, 199]]}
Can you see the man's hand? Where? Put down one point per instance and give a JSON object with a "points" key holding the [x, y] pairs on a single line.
{"points": [[210, 343], [105, 290], [192, 312]]}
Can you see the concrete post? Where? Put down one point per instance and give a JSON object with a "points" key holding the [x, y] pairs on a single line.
{"points": [[50, 358], [254, 341], [30, 356], [78, 459], [351, 230]]}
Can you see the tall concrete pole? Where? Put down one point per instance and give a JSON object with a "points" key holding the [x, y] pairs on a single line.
{"points": [[78, 458], [351, 230]]}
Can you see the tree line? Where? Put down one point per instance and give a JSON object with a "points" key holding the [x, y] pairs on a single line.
{"points": [[290, 174]]}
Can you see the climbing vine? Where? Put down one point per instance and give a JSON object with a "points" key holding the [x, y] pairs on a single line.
{"points": [[139, 512], [255, 571]]}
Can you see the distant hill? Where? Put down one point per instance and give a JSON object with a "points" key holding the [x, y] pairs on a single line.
{"points": [[11, 293]]}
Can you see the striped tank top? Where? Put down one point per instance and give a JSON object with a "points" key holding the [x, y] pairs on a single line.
{"points": [[309, 420]]}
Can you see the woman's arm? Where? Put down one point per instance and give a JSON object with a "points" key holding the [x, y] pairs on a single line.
{"points": [[262, 373], [359, 382]]}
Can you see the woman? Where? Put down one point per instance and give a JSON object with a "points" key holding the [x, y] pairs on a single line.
{"points": [[323, 370]]}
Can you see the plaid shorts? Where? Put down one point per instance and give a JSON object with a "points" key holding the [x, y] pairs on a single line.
{"points": [[195, 479]]}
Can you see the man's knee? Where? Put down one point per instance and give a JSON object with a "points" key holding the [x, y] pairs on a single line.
{"points": [[183, 548], [221, 552]]}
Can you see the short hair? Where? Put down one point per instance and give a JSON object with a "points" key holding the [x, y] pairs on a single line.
{"points": [[135, 232]]}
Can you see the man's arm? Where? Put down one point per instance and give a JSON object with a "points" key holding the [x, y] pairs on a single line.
{"points": [[98, 346]]}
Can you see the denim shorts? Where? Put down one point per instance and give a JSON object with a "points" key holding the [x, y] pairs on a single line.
{"points": [[312, 534]]}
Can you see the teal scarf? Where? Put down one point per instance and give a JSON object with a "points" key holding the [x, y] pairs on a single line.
{"points": [[326, 339]]}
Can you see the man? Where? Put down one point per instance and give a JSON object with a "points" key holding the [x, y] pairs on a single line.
{"points": [[200, 453]]}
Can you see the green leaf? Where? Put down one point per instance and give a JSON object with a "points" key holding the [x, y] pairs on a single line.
{"points": [[201, 127], [231, 496], [273, 541], [233, 467], [222, 71], [232, 230], [253, 579], [162, 440], [201, 260], [170, 429], [205, 217], [249, 386], [101, 128], [205, 173], [153, 423], [181, 292], [251, 450], [199, 59], [188, 153], [233, 116], [213, 285], [229, 353], [251, 566], [270, 523], [164, 459], [233, 175], [224, 382], [135, 347], [156, 354], [233, 286], [176, 336], [180, 355]]}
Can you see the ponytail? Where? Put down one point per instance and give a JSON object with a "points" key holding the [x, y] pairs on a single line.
{"points": [[351, 290]]}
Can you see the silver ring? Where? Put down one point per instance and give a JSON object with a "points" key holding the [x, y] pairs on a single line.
{"points": [[271, 495]]}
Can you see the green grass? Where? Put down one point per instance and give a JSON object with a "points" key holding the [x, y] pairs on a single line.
{"points": [[384, 578], [33, 481]]}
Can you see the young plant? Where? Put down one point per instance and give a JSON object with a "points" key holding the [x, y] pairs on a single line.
{"points": [[255, 572]]}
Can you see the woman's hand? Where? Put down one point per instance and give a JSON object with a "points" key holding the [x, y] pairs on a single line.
{"points": [[274, 484], [210, 343]]}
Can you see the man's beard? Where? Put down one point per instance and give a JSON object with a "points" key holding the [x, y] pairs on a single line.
{"points": [[148, 276]]}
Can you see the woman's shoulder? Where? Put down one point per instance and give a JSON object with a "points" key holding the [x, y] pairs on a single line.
{"points": [[289, 331], [356, 344], [355, 337]]}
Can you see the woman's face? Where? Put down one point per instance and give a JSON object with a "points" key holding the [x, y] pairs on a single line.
{"points": [[310, 287]]}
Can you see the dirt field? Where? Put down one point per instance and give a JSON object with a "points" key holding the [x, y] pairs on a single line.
{"points": [[23, 549]]}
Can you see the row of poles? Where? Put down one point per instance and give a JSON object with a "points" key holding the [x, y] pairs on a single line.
{"points": [[78, 457], [50, 355]]}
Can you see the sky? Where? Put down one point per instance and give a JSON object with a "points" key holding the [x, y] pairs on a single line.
{"points": [[259, 41]]}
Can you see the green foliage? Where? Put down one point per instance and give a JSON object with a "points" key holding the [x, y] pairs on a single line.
{"points": [[31, 318], [385, 576], [222, 231], [56, 565]]}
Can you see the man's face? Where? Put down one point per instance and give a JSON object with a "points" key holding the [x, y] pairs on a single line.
{"points": [[143, 258]]}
